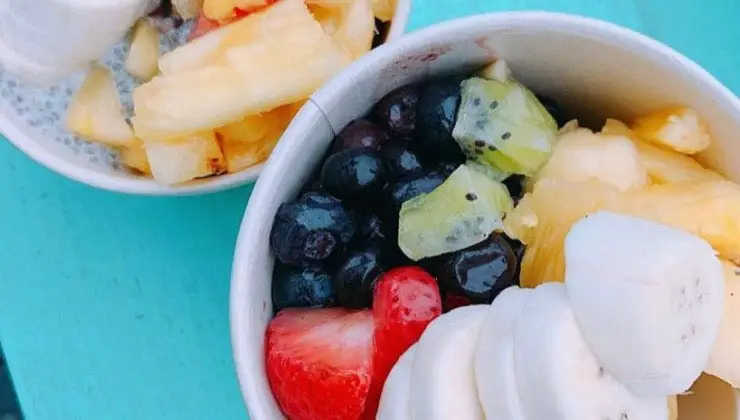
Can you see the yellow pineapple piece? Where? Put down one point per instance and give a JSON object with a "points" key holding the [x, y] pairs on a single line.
{"points": [[185, 159], [350, 22], [224, 9], [248, 79], [384, 9], [580, 155], [187, 9], [134, 157], [95, 112], [251, 141], [207, 49], [662, 165], [142, 61], [707, 209], [679, 129]]}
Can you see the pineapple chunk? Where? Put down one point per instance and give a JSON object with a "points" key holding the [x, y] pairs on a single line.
{"points": [[134, 158], [185, 159], [350, 22], [581, 155], [143, 57], [96, 113], [357, 28], [384, 9], [251, 140], [678, 129], [663, 166], [187, 9], [224, 9], [248, 79], [207, 49]]}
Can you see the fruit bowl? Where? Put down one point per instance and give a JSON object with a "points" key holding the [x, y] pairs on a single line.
{"points": [[33, 120], [594, 69]]}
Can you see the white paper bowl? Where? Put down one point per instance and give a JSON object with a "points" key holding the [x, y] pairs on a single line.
{"points": [[33, 120], [585, 64]]}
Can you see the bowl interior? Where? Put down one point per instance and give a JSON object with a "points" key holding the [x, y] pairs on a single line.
{"points": [[593, 68], [33, 119]]}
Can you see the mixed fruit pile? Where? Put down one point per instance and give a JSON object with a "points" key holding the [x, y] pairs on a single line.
{"points": [[219, 103], [409, 274]]}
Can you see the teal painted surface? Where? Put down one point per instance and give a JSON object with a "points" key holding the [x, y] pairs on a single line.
{"points": [[115, 307]]}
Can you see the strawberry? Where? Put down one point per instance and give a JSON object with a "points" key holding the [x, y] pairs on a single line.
{"points": [[203, 25], [319, 362], [405, 301]]}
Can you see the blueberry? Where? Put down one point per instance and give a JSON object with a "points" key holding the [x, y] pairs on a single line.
{"points": [[360, 133], [313, 229], [354, 174], [479, 272], [355, 279], [402, 190], [301, 287], [553, 108], [397, 110], [436, 117], [402, 158], [373, 229], [518, 248]]}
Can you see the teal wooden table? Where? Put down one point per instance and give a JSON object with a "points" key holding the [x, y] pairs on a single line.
{"points": [[116, 307]]}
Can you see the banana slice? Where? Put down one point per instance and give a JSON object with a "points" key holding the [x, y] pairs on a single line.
{"points": [[559, 377], [648, 299], [494, 357], [443, 373]]}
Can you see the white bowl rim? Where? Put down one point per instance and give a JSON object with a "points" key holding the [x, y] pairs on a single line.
{"points": [[146, 186], [254, 216]]}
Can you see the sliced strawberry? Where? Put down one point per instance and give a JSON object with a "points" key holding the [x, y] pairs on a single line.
{"points": [[454, 300], [319, 362], [405, 301]]}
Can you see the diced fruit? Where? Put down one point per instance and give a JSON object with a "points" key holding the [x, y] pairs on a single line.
{"points": [[143, 57], [582, 156], [479, 272], [663, 166], [197, 53], [319, 362], [706, 209], [373, 229], [311, 230], [521, 222], [354, 174], [327, 17], [402, 158], [251, 140], [227, 9], [134, 158], [187, 9], [301, 287], [355, 279], [244, 79], [504, 126], [359, 133], [679, 129], [384, 9], [96, 113], [406, 300], [463, 211], [435, 119], [397, 110], [357, 28], [185, 159]]}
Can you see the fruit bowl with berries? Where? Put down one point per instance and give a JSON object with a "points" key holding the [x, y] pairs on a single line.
{"points": [[191, 99], [508, 216]]}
